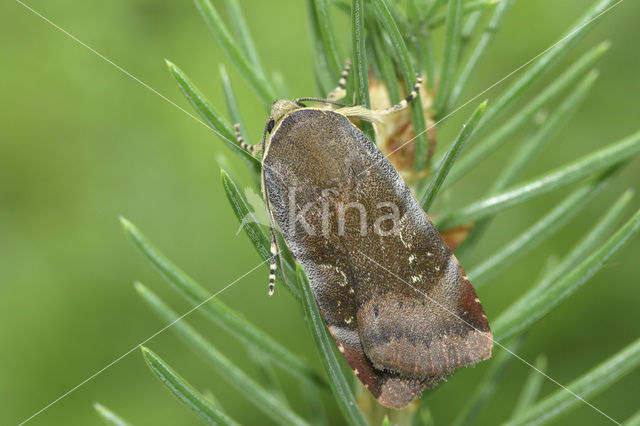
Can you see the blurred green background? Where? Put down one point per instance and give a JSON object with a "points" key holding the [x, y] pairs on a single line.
{"points": [[82, 143]]}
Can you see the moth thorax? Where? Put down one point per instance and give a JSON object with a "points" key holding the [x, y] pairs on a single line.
{"points": [[280, 109]]}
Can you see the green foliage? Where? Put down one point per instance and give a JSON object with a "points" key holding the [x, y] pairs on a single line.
{"points": [[360, 66], [325, 77], [507, 131], [392, 40], [595, 381], [226, 317], [468, 7], [633, 420], [191, 398], [586, 166], [256, 233], [216, 123], [109, 417], [543, 64], [531, 387], [488, 386], [451, 156], [256, 394], [327, 36], [485, 39], [254, 75], [450, 55], [543, 228], [408, 73], [534, 305]]}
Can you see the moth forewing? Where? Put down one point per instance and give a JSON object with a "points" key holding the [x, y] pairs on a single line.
{"points": [[393, 295]]}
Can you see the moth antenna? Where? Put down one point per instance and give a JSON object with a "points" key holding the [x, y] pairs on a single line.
{"points": [[324, 101], [339, 92], [251, 149], [280, 257], [276, 251], [275, 245], [405, 102], [272, 266]]}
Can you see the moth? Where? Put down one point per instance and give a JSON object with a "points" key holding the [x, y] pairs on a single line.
{"points": [[394, 297]]}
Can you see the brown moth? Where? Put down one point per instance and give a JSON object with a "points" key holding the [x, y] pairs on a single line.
{"points": [[395, 299]]}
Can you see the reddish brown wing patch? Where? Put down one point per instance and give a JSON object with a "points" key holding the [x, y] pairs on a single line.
{"points": [[389, 389]]}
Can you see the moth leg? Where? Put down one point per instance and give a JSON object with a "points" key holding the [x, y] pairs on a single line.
{"points": [[376, 115], [340, 92], [405, 102], [251, 149]]}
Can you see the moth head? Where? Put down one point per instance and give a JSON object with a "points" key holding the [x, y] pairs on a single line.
{"points": [[279, 110]]}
